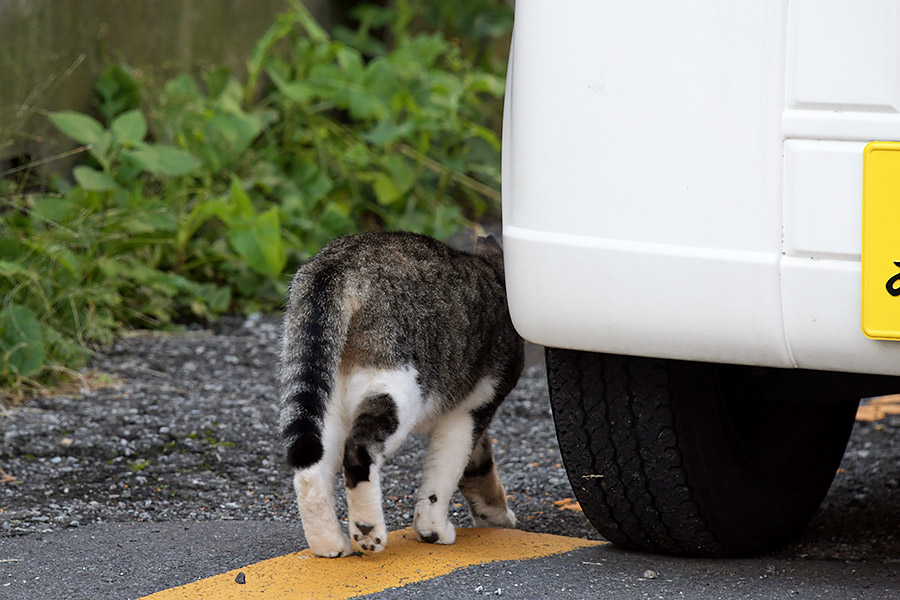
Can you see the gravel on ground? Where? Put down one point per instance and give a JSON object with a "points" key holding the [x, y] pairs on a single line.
{"points": [[183, 427]]}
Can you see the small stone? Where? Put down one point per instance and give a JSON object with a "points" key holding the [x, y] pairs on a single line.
{"points": [[66, 442], [241, 578], [648, 574], [56, 460]]}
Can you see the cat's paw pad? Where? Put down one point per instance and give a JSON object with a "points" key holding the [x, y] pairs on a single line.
{"points": [[368, 537], [331, 546]]}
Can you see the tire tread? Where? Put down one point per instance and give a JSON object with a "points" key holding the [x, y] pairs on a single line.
{"points": [[642, 499]]}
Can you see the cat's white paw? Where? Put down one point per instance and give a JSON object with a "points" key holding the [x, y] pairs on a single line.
{"points": [[436, 534], [431, 525], [368, 537], [495, 517], [329, 546]]}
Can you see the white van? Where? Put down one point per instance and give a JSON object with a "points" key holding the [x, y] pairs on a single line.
{"points": [[683, 224]]}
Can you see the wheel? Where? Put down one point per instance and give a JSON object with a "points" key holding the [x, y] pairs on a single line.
{"points": [[696, 458]]}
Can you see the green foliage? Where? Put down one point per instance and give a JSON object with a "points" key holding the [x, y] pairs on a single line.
{"points": [[21, 343], [116, 92], [391, 136], [199, 198]]}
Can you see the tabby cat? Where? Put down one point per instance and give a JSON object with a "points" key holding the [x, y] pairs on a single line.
{"points": [[387, 334]]}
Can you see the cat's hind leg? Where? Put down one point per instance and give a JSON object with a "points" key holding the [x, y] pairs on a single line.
{"points": [[451, 444], [451, 440], [363, 456], [315, 497], [314, 485], [481, 486], [388, 410]]}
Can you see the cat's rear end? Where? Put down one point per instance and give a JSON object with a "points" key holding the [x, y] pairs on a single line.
{"points": [[386, 334]]}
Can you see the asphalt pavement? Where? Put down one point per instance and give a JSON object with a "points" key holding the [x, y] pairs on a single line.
{"points": [[163, 468], [129, 560]]}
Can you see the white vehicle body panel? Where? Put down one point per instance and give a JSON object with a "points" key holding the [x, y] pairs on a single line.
{"points": [[683, 179]]}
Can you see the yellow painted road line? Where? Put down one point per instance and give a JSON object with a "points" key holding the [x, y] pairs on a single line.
{"points": [[404, 561]]}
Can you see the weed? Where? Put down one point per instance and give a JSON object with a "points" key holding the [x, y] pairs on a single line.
{"points": [[139, 465], [197, 197]]}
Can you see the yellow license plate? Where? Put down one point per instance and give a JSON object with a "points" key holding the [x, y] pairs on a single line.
{"points": [[881, 241]]}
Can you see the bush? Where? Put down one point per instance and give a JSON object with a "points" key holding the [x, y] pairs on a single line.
{"points": [[200, 199]]}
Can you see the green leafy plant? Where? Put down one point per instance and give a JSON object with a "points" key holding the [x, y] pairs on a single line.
{"points": [[198, 198], [22, 351], [118, 148]]}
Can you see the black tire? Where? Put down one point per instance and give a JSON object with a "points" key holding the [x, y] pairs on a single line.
{"points": [[696, 458]]}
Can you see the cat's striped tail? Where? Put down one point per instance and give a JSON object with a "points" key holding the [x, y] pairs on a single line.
{"points": [[315, 329]]}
